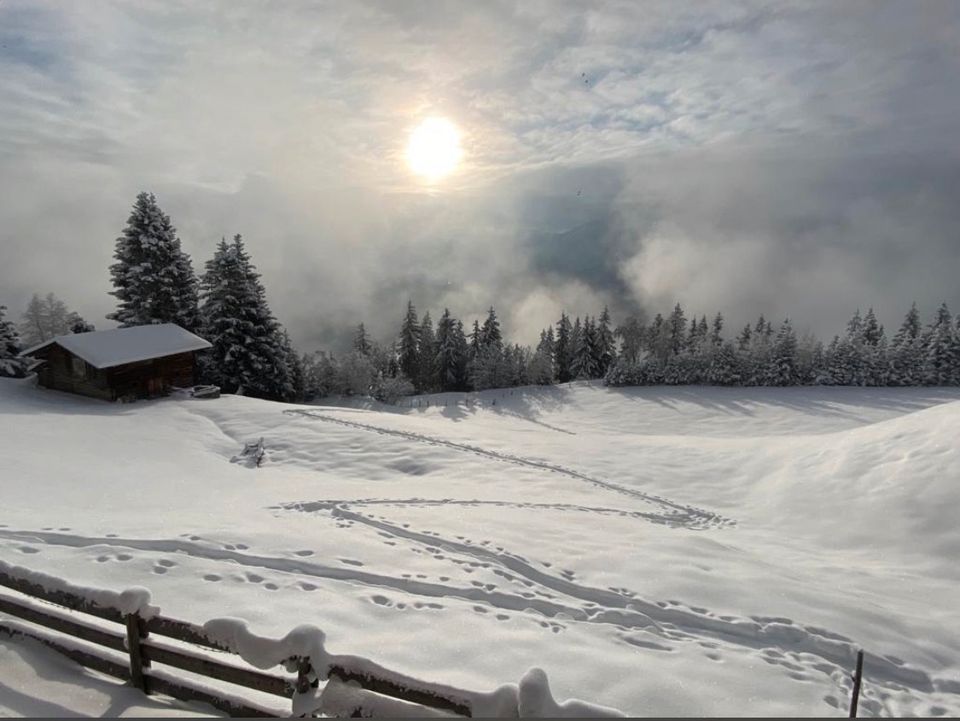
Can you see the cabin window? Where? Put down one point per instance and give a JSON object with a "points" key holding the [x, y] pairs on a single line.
{"points": [[79, 367]]}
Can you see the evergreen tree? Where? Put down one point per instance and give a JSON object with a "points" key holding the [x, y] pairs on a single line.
{"points": [[409, 347], [938, 351], [427, 374], [541, 369], [10, 365], [293, 382], [906, 353], [449, 356], [745, 339], [631, 335], [79, 325], [576, 348], [476, 338], [490, 335], [606, 343], [586, 364], [724, 366], [152, 277], [361, 341], [463, 356], [872, 330], [248, 355], [659, 338], [678, 325], [563, 351], [783, 362], [853, 352], [716, 334]]}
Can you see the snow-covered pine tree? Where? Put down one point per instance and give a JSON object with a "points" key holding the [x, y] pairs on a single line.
{"points": [[79, 325], [489, 369], [906, 352], [724, 367], [756, 358], [659, 339], [541, 370], [475, 340], [409, 346], [427, 373], [449, 361], [153, 278], [782, 369], [853, 352], [463, 356], [678, 325], [576, 348], [294, 383], [938, 349], [606, 343], [716, 332], [361, 341], [872, 330], [833, 371], [585, 364], [10, 365], [490, 335], [248, 356], [631, 334], [563, 351]]}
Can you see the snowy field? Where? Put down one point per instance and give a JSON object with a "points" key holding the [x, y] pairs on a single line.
{"points": [[665, 551]]}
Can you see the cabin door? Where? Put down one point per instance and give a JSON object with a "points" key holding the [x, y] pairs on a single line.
{"points": [[155, 387]]}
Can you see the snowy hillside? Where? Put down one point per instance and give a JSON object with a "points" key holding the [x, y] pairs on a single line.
{"points": [[666, 551]]}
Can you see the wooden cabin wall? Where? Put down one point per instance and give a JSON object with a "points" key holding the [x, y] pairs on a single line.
{"points": [[58, 373], [134, 378]]}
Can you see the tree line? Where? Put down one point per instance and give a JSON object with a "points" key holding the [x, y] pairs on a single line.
{"points": [[154, 282], [671, 350]]}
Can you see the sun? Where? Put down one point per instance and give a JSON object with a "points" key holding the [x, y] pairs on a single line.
{"points": [[434, 149]]}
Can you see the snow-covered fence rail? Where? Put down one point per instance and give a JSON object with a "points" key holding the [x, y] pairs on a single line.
{"points": [[137, 620], [354, 686]]}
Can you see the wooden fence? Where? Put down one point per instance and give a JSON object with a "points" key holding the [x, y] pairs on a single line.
{"points": [[136, 639]]}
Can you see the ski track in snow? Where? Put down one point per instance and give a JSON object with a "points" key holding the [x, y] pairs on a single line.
{"points": [[667, 519], [693, 517], [799, 649]]}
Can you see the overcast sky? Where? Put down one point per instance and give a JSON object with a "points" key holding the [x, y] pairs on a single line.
{"points": [[745, 157]]}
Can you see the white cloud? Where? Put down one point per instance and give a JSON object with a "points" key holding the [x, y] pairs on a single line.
{"points": [[287, 123]]}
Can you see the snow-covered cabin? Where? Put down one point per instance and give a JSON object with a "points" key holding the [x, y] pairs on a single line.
{"points": [[139, 362]]}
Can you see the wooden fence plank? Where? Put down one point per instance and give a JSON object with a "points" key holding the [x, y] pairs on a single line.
{"points": [[255, 680], [61, 598], [185, 692], [396, 690], [84, 658], [182, 631], [64, 625]]}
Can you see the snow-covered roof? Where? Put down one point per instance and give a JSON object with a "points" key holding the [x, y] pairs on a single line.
{"points": [[109, 348]]}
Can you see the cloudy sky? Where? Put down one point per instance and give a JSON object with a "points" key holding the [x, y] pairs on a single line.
{"points": [[789, 159]]}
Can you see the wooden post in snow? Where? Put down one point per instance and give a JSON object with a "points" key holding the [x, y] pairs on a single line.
{"points": [[135, 633], [857, 679]]}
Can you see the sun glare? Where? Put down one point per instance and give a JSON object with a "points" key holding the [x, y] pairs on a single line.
{"points": [[434, 149]]}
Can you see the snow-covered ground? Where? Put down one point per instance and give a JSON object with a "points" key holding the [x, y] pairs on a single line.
{"points": [[666, 551]]}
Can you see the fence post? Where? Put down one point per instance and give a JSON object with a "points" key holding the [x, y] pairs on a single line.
{"points": [[135, 633], [857, 678], [304, 669]]}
